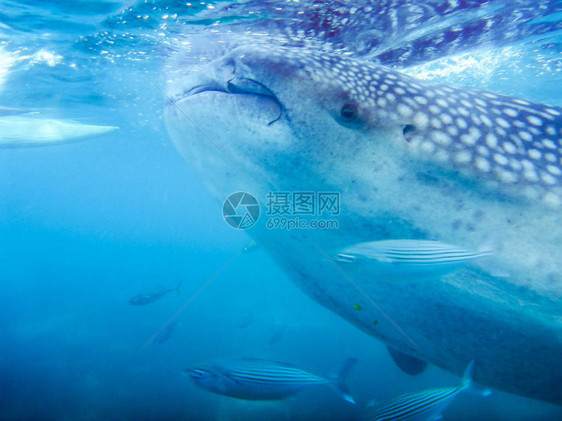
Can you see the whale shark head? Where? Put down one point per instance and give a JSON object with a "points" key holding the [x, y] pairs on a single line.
{"points": [[262, 108], [263, 103]]}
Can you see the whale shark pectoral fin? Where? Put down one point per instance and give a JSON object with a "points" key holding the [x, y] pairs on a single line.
{"points": [[408, 364]]}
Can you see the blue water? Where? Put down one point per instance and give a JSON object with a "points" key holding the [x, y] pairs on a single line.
{"points": [[85, 226]]}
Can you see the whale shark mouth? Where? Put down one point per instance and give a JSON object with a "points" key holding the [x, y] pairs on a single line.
{"points": [[236, 86]]}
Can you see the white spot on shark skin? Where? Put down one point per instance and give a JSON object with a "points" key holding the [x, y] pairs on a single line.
{"points": [[461, 123], [463, 157], [483, 150], [420, 100], [553, 170], [410, 102], [474, 132], [446, 118], [463, 111], [534, 154], [552, 200], [491, 140], [552, 111], [507, 177], [530, 175], [500, 159], [550, 130], [452, 130], [436, 123], [509, 147], [528, 165], [441, 138], [526, 136], [515, 164], [510, 112], [434, 109], [484, 119], [420, 120], [404, 110], [535, 121], [468, 139], [482, 164], [548, 179], [442, 103], [550, 157], [500, 131], [427, 147], [549, 144], [502, 123]]}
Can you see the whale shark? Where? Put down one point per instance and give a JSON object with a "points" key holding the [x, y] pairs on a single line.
{"points": [[390, 32], [412, 160]]}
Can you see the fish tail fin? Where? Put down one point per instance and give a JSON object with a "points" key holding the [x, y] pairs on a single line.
{"points": [[468, 382], [177, 289], [341, 377], [467, 376], [489, 246]]}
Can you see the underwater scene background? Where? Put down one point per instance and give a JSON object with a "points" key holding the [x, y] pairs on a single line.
{"points": [[86, 226]]}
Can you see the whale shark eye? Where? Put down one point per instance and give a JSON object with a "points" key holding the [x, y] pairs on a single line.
{"points": [[409, 132], [348, 113]]}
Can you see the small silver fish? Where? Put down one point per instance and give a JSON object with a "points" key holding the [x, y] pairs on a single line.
{"points": [[255, 379], [22, 131], [143, 298], [408, 257], [426, 405]]}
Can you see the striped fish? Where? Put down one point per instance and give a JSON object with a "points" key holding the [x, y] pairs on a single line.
{"points": [[408, 257], [255, 379], [421, 406]]}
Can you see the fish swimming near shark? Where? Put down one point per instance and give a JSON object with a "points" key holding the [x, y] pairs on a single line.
{"points": [[413, 160], [147, 297], [408, 259], [255, 379], [426, 405], [18, 131]]}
